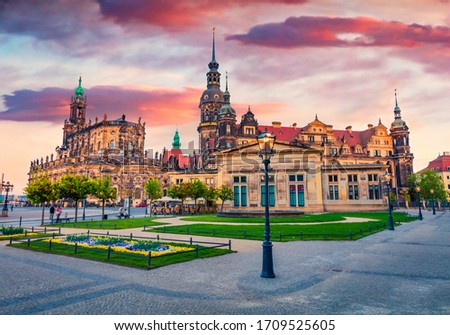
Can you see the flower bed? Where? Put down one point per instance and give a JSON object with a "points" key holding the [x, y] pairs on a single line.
{"points": [[119, 244]]}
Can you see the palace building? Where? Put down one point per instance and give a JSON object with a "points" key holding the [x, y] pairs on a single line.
{"points": [[315, 167]]}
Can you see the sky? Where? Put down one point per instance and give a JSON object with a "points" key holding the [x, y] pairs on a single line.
{"points": [[289, 60]]}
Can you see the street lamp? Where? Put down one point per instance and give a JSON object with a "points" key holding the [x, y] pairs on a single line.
{"points": [[266, 142], [7, 187], [432, 201], [387, 180], [420, 204]]}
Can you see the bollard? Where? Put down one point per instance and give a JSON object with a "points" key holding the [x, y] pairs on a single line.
{"points": [[107, 233], [109, 251], [229, 245], [196, 251], [190, 241], [88, 232], [50, 245], [149, 259], [45, 229], [53, 235], [157, 237], [10, 240], [131, 236], [59, 230], [28, 242], [75, 248], [20, 222], [32, 229]]}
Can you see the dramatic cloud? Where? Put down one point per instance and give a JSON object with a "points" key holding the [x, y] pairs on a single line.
{"points": [[157, 107], [175, 15], [309, 31]]}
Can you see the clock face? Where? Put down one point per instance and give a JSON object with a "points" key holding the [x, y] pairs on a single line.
{"points": [[206, 96], [216, 96]]}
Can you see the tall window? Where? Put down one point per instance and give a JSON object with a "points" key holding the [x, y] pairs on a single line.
{"points": [[271, 191], [333, 187], [374, 187], [353, 189], [296, 191], [240, 191], [111, 144]]}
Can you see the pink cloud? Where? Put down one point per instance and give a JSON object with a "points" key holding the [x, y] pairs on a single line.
{"points": [[157, 107], [309, 31], [175, 15]]}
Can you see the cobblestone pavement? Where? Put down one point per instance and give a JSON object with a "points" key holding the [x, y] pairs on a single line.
{"points": [[406, 271]]}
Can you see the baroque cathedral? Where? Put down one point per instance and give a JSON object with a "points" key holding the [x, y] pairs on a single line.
{"points": [[315, 167]]}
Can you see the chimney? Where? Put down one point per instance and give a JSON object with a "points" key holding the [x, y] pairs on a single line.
{"points": [[349, 129], [276, 124], [370, 126]]}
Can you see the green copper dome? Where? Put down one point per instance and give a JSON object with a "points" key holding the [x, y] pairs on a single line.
{"points": [[79, 91], [176, 141]]}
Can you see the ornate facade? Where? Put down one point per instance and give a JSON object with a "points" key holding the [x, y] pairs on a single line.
{"points": [[104, 147]]}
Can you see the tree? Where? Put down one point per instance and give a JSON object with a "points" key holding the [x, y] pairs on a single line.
{"points": [[75, 188], [210, 195], [102, 189], [180, 191], [41, 190], [154, 191], [224, 193], [197, 189], [427, 181]]}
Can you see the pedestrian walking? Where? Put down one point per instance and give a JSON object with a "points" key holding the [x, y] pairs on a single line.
{"points": [[58, 213], [52, 213]]}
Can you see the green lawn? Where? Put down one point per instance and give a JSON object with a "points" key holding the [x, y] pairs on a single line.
{"points": [[326, 217], [289, 232], [111, 224], [119, 258]]}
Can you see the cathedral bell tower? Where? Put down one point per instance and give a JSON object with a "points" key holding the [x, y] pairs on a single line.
{"points": [[78, 106], [226, 123], [403, 158], [211, 101]]}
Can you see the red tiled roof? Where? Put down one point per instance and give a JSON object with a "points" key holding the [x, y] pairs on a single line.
{"points": [[355, 137], [183, 160], [441, 163], [285, 134]]}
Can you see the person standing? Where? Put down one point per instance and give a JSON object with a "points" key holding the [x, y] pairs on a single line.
{"points": [[52, 213], [58, 213]]}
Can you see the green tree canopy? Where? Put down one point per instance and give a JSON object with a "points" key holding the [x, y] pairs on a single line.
{"points": [[153, 189], [427, 181], [197, 189], [180, 191], [224, 193], [41, 190], [102, 189], [74, 187]]}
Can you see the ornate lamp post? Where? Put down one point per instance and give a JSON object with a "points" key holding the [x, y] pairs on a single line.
{"points": [[387, 180], [420, 204], [432, 201], [7, 187], [266, 142]]}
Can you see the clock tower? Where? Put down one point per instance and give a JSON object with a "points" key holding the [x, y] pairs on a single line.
{"points": [[211, 101]]}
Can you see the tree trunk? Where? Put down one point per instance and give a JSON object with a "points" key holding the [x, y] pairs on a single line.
{"points": [[43, 211], [103, 208], [221, 207], [76, 211]]}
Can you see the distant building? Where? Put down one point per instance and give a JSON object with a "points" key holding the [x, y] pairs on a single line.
{"points": [[442, 166]]}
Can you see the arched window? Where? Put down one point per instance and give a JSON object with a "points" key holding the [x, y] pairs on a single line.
{"points": [[137, 193]]}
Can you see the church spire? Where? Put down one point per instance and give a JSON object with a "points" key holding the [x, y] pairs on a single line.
{"points": [[397, 111], [79, 91], [176, 141], [213, 65]]}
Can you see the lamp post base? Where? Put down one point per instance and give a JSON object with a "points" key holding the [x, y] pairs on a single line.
{"points": [[267, 268], [4, 212]]}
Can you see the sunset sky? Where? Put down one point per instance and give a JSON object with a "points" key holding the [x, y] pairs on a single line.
{"points": [[287, 59]]}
